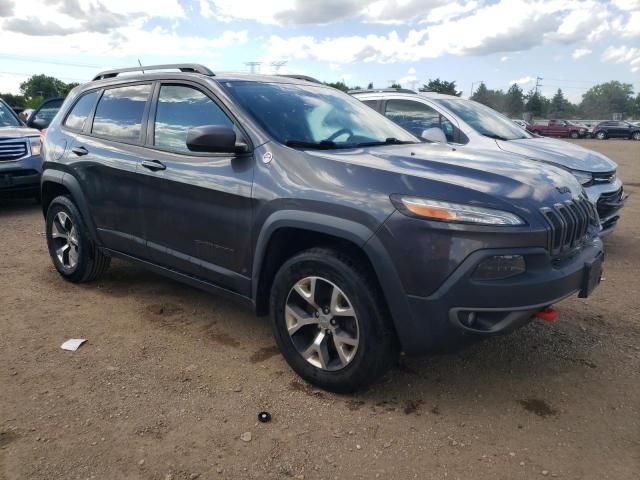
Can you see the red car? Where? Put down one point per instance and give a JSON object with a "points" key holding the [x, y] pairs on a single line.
{"points": [[559, 128]]}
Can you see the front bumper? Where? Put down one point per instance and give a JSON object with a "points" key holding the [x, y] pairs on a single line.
{"points": [[21, 175], [609, 198], [499, 306]]}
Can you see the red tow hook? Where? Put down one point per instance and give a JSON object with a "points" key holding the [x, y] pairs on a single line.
{"points": [[549, 314]]}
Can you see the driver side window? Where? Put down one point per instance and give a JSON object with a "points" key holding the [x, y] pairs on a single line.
{"points": [[417, 117], [180, 108]]}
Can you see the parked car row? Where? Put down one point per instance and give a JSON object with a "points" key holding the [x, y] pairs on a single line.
{"points": [[565, 128], [421, 226]]}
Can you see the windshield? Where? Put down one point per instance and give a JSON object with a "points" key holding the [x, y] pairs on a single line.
{"points": [[307, 116], [483, 119], [7, 117]]}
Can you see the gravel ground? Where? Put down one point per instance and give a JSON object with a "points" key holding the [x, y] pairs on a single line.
{"points": [[172, 377]]}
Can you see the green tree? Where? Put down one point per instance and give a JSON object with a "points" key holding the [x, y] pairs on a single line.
{"points": [[14, 100], [534, 104], [491, 98], [370, 86], [340, 85], [441, 86], [43, 86], [605, 99], [514, 101], [395, 85], [560, 107]]}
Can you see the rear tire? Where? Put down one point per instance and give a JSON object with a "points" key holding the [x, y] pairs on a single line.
{"points": [[302, 312], [635, 136], [72, 251]]}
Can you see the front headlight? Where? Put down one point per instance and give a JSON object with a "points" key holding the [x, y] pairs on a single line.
{"points": [[454, 212], [584, 178], [36, 145]]}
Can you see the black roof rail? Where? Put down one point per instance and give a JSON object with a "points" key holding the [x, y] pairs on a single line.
{"points": [[383, 90], [299, 77], [183, 67]]}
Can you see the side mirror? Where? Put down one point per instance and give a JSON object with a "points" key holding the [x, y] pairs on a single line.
{"points": [[434, 134], [214, 139], [35, 122]]}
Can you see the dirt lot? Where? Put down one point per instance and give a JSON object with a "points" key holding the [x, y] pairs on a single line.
{"points": [[171, 377]]}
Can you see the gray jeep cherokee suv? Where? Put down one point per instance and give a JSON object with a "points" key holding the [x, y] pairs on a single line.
{"points": [[356, 237], [20, 161]]}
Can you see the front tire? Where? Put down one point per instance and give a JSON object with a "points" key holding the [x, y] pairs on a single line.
{"points": [[601, 135], [574, 135], [635, 136], [329, 322], [72, 251]]}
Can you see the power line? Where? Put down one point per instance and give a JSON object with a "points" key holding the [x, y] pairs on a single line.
{"points": [[51, 62]]}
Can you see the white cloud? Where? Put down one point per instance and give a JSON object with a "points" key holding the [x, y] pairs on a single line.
{"points": [[504, 59], [113, 28], [523, 81], [410, 79], [580, 52], [623, 54], [627, 5], [524, 24]]}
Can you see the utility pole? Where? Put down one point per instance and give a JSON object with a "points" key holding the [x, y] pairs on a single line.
{"points": [[277, 64], [253, 66], [472, 85], [538, 84]]}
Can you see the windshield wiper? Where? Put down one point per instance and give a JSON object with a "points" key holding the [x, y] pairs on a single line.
{"points": [[494, 136], [323, 145], [388, 141]]}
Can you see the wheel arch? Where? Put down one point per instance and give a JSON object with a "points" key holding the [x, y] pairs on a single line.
{"points": [[57, 182], [286, 233]]}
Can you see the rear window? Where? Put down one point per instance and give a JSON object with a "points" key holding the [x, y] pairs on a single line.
{"points": [[119, 112], [81, 110]]}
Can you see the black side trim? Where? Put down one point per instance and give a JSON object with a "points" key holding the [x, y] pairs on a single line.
{"points": [[181, 277]]}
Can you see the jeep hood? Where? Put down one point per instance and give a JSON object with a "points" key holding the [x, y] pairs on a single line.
{"points": [[493, 175], [565, 154], [17, 132]]}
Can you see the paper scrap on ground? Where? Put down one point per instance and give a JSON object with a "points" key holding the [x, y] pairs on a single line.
{"points": [[73, 344]]}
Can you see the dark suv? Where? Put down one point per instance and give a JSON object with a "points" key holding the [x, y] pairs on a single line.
{"points": [[20, 161], [615, 129], [357, 238]]}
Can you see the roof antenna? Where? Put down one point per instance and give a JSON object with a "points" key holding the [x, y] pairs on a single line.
{"points": [[140, 63]]}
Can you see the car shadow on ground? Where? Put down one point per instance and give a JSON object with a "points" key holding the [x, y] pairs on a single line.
{"points": [[509, 369], [17, 206]]}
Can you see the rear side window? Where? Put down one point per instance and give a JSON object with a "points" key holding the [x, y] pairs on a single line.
{"points": [[81, 110], [371, 103], [417, 117], [181, 108], [119, 112]]}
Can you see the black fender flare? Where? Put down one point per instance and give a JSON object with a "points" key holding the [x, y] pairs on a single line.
{"points": [[356, 233], [73, 186]]}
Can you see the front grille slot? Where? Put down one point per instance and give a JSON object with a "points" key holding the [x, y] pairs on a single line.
{"points": [[569, 223], [12, 151]]}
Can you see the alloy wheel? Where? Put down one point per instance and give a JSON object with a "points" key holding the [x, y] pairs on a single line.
{"points": [[322, 323], [65, 240]]}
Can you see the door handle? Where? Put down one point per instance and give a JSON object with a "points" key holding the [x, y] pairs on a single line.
{"points": [[153, 165], [80, 151]]}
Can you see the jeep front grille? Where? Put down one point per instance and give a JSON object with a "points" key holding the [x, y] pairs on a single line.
{"points": [[569, 223], [12, 151]]}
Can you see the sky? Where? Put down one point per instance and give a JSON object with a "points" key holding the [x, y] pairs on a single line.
{"points": [[570, 44]]}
